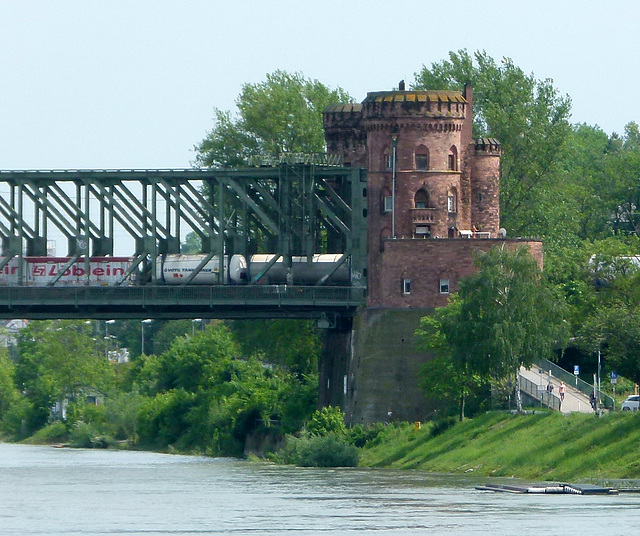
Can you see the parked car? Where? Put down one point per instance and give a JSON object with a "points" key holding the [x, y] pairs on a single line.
{"points": [[631, 403]]}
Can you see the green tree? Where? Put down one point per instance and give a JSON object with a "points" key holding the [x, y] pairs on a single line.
{"points": [[295, 344], [506, 316], [281, 114], [168, 331], [59, 359], [528, 117], [453, 373], [9, 395], [192, 244], [193, 363], [613, 324], [623, 172], [586, 191], [201, 395]]}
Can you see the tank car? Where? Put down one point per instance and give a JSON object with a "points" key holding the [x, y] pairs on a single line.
{"points": [[303, 270], [175, 269]]}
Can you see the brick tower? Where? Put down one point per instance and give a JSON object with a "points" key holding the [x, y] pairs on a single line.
{"points": [[433, 202]]}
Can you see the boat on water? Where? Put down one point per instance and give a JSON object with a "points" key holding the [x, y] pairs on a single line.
{"points": [[554, 489]]}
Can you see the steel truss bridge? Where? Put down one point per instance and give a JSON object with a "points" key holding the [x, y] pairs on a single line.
{"points": [[286, 209]]}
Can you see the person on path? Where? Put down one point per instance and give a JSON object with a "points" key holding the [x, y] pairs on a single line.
{"points": [[562, 390], [592, 399]]}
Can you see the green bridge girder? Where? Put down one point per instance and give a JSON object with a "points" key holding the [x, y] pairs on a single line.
{"points": [[288, 209]]}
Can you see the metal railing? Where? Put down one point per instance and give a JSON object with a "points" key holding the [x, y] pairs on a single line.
{"points": [[532, 389], [572, 380]]}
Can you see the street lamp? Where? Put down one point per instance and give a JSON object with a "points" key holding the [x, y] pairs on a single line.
{"points": [[107, 337], [106, 326], [599, 369], [142, 323], [193, 325], [394, 140]]}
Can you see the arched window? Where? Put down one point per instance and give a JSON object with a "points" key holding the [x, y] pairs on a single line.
{"points": [[421, 199], [422, 158], [452, 200], [453, 159]]}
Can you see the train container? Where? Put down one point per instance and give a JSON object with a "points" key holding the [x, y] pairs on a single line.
{"points": [[175, 269], [103, 271], [9, 273], [303, 271]]}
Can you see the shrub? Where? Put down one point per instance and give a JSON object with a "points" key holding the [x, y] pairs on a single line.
{"points": [[16, 422], [162, 420], [328, 420], [53, 433], [359, 435], [121, 414], [81, 411], [316, 451], [84, 435], [441, 425]]}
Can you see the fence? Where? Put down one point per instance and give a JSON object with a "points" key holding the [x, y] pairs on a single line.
{"points": [[547, 399], [574, 381]]}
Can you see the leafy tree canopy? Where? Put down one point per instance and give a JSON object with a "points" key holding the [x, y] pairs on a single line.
{"points": [[527, 116], [511, 316], [505, 316], [281, 114], [292, 343], [58, 359]]}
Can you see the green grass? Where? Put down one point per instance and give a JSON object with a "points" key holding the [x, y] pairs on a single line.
{"points": [[541, 446]]}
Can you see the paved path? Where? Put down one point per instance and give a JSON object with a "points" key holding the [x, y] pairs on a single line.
{"points": [[574, 400]]}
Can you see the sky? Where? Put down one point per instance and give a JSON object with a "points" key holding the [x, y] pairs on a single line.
{"points": [[133, 83]]}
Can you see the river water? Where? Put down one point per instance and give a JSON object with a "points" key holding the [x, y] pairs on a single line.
{"points": [[49, 491]]}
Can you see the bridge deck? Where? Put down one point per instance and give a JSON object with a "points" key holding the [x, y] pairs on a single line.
{"points": [[221, 301]]}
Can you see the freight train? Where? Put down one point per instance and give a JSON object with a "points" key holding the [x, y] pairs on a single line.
{"points": [[176, 270]]}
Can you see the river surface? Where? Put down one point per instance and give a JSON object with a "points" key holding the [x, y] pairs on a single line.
{"points": [[49, 491]]}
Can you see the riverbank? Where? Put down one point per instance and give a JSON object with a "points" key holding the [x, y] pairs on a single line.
{"points": [[540, 446]]}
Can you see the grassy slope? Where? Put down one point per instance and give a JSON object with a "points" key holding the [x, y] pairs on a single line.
{"points": [[542, 446]]}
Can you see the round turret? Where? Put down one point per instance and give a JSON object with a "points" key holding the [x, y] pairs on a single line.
{"points": [[426, 128]]}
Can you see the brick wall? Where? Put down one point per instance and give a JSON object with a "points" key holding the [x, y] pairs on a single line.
{"points": [[424, 263]]}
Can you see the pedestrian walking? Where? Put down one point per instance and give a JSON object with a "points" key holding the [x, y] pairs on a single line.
{"points": [[562, 390], [592, 399]]}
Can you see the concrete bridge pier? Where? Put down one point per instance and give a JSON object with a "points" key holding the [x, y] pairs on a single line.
{"points": [[371, 370]]}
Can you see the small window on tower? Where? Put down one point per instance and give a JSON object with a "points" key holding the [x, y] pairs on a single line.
{"points": [[452, 201], [387, 203], [444, 286], [406, 286], [388, 161]]}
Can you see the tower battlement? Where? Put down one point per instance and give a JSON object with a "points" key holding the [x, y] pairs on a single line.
{"points": [[488, 146], [414, 104]]}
